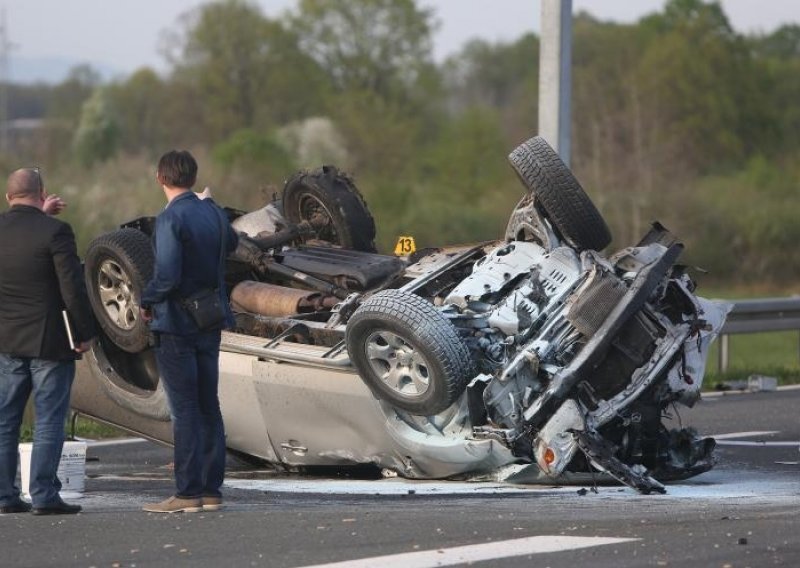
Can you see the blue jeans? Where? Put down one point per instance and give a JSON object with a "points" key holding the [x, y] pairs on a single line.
{"points": [[50, 382], [189, 368]]}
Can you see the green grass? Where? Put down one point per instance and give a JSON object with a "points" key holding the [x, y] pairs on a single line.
{"points": [[774, 354], [84, 428]]}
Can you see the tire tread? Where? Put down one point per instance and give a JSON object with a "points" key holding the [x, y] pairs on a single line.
{"points": [[358, 223], [134, 248], [569, 208]]}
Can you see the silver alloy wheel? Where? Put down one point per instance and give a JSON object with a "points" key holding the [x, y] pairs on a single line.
{"points": [[398, 364], [116, 294]]}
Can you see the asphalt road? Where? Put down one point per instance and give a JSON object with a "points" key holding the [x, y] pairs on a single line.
{"points": [[745, 512]]}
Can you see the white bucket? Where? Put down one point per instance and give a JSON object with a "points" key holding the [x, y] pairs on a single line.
{"points": [[71, 469]]}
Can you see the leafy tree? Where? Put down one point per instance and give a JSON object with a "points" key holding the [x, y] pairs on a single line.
{"points": [[246, 70], [703, 80], [469, 159], [783, 43], [97, 137], [67, 98], [502, 76], [250, 148], [611, 126], [380, 46], [379, 135], [251, 160], [141, 103], [64, 104], [660, 102], [779, 55]]}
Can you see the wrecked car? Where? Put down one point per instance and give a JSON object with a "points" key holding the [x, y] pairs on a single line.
{"points": [[536, 348]]}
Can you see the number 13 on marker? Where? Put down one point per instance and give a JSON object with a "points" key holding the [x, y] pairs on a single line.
{"points": [[405, 246]]}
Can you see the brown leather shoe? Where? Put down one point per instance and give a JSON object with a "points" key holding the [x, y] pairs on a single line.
{"points": [[175, 505], [212, 503]]}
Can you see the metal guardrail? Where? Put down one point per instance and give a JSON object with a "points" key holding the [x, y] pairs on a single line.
{"points": [[755, 316]]}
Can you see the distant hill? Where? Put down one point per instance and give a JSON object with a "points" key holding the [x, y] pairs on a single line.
{"points": [[53, 70]]}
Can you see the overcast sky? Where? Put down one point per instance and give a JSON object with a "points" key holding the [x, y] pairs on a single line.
{"points": [[118, 36]]}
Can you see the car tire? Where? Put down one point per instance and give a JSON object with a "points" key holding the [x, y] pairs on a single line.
{"points": [[332, 195], [560, 195], [118, 265], [408, 353]]}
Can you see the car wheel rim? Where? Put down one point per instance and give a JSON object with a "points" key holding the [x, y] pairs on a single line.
{"points": [[312, 209], [115, 289], [398, 364]]}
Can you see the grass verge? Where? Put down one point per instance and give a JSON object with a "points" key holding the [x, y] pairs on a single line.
{"points": [[84, 428]]}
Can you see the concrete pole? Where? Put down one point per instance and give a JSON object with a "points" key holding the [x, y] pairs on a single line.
{"points": [[555, 75], [5, 46], [724, 353]]}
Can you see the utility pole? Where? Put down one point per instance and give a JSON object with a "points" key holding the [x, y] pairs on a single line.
{"points": [[555, 75], [5, 47]]}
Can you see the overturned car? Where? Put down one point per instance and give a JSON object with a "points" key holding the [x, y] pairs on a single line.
{"points": [[533, 349]]}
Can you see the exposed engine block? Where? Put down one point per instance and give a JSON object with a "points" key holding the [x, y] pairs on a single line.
{"points": [[515, 283]]}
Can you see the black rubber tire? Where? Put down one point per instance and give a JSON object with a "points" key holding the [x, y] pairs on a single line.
{"points": [[131, 252], [332, 193], [560, 195], [444, 357]]}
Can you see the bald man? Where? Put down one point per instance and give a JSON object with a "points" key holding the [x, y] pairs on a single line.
{"points": [[40, 276]]}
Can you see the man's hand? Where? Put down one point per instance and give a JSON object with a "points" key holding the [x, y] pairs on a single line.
{"points": [[53, 205], [83, 346], [146, 314]]}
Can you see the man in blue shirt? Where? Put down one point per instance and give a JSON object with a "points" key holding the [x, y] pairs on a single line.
{"points": [[188, 236]]}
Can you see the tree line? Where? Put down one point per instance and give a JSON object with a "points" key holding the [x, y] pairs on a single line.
{"points": [[676, 117]]}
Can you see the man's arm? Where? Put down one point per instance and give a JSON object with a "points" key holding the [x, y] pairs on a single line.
{"points": [[168, 265]]}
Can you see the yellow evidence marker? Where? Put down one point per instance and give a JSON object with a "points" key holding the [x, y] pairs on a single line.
{"points": [[405, 246]]}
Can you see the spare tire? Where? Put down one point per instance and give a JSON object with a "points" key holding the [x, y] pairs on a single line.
{"points": [[118, 265], [408, 353], [560, 195], [329, 199]]}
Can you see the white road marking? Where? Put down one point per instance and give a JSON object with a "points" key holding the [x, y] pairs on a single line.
{"points": [[477, 552], [395, 486], [732, 439], [105, 477], [736, 435], [111, 442], [759, 443], [715, 484]]}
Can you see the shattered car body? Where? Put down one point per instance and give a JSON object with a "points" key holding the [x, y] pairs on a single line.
{"points": [[534, 349]]}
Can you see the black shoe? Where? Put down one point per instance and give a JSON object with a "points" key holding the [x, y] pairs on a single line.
{"points": [[18, 507], [57, 508]]}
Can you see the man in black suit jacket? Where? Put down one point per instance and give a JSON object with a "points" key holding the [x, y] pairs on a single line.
{"points": [[40, 277]]}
